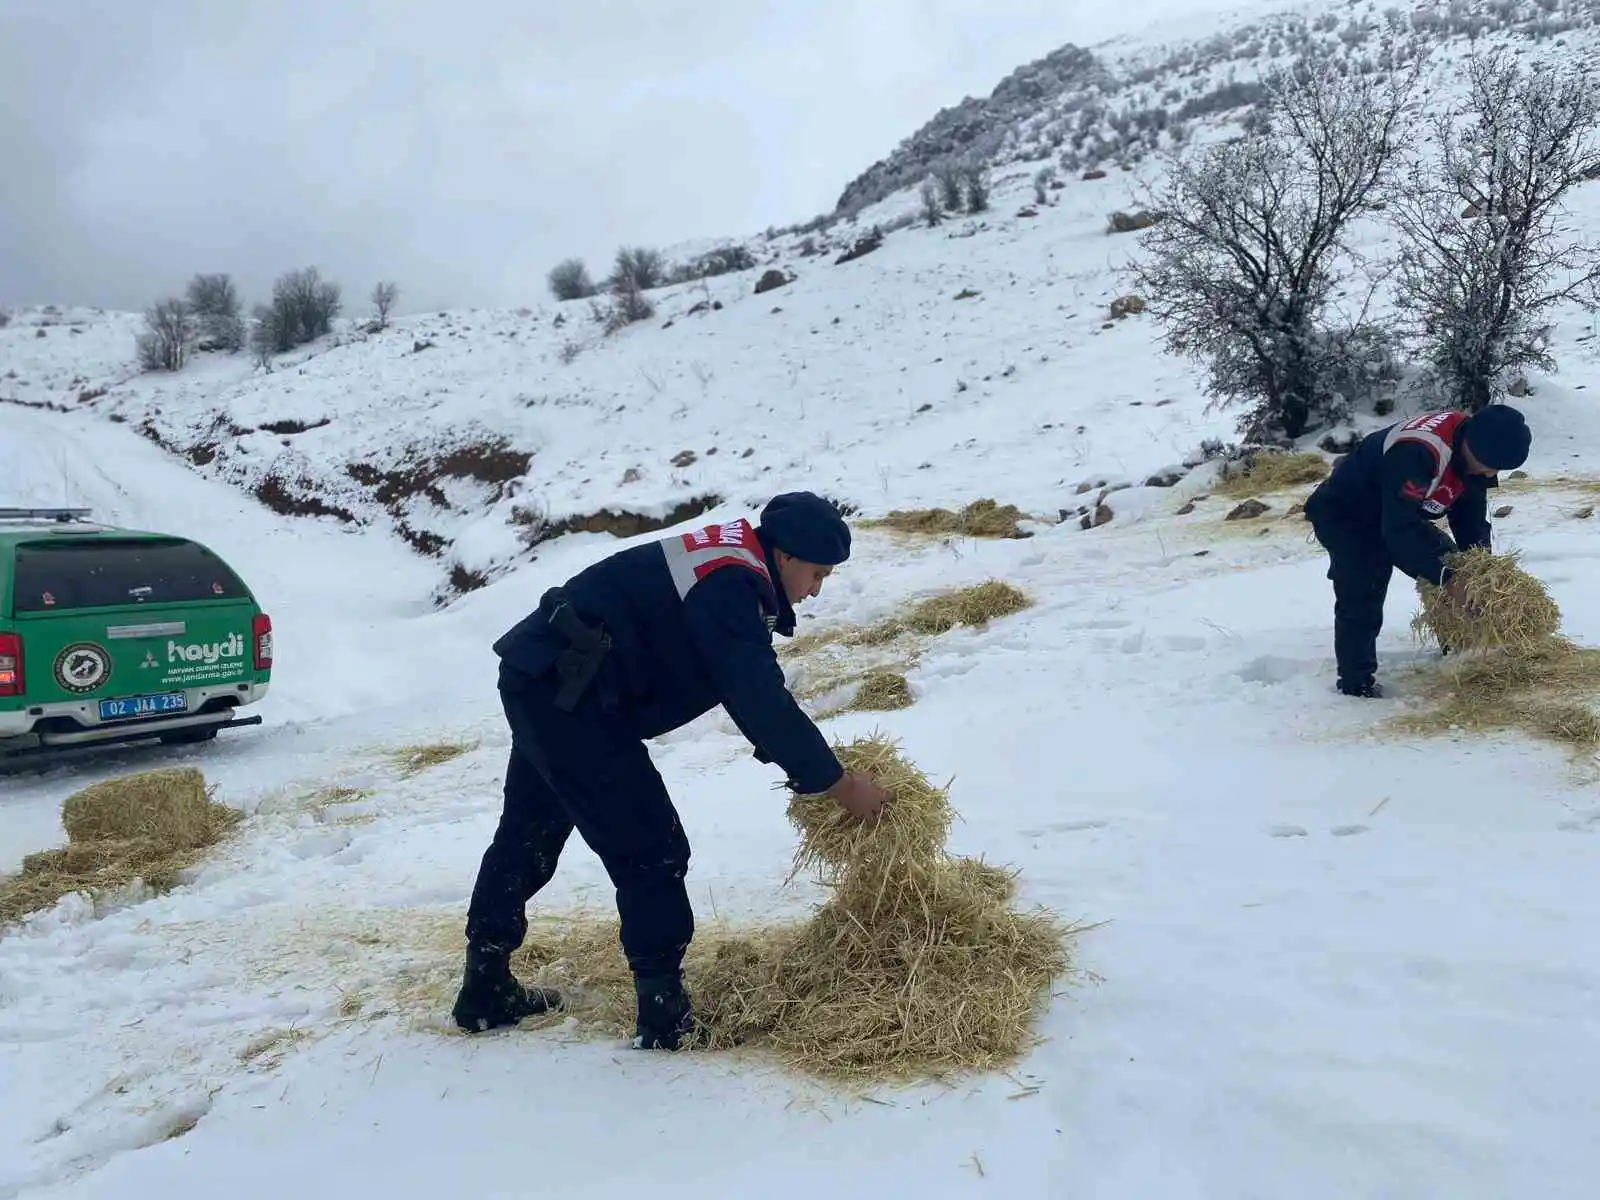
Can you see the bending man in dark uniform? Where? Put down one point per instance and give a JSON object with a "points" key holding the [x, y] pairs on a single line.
{"points": [[1377, 512], [640, 643]]}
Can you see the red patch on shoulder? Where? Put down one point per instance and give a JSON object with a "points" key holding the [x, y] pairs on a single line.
{"points": [[1413, 491]]}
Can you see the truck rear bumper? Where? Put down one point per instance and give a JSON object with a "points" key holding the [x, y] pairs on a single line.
{"points": [[77, 722]]}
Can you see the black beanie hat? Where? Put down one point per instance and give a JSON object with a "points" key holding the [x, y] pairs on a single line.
{"points": [[807, 526], [1498, 437]]}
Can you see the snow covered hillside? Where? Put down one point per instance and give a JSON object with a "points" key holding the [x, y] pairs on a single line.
{"points": [[1326, 957]]}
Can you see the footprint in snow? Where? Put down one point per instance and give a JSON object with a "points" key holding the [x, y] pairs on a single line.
{"points": [[1064, 827], [1271, 670], [1582, 823], [1348, 830], [1286, 831]]}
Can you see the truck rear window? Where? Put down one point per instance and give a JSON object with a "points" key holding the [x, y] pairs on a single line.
{"points": [[70, 576]]}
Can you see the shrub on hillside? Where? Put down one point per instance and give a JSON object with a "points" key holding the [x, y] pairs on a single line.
{"points": [[1241, 271], [932, 213], [569, 280], [637, 267], [1474, 280], [214, 305]]}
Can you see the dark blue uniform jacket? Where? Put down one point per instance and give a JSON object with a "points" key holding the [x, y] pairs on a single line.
{"points": [[673, 660], [1382, 497]]}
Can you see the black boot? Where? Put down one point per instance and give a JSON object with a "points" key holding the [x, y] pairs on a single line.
{"points": [[666, 1018], [1365, 688], [491, 995]]}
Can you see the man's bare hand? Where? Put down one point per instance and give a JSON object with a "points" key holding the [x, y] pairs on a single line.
{"points": [[859, 795]]}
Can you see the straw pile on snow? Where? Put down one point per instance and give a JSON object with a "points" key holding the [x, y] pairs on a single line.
{"points": [[145, 827], [982, 518], [916, 964], [1509, 666], [1503, 607], [881, 691], [1268, 471]]}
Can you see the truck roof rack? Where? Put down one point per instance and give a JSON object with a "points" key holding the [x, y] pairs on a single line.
{"points": [[45, 514]]}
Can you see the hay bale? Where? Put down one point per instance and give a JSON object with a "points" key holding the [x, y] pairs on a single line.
{"points": [[881, 691], [1268, 471], [986, 518], [170, 807], [1503, 606], [915, 965], [148, 827]]}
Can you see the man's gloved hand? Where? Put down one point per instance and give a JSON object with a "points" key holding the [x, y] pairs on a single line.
{"points": [[859, 795]]}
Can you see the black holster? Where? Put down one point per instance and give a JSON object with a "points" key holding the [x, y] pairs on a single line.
{"points": [[586, 649]]}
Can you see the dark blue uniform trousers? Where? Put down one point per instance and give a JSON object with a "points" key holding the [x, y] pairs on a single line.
{"points": [[1360, 568], [583, 771]]}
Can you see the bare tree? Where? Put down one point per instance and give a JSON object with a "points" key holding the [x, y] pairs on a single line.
{"points": [[308, 304], [1474, 279], [383, 297], [931, 212], [569, 280], [168, 334], [1243, 263]]}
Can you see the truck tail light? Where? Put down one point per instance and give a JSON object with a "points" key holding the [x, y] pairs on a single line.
{"points": [[261, 641], [12, 681]]}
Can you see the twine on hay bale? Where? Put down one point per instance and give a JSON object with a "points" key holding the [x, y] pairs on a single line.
{"points": [[145, 827], [1503, 607], [915, 965]]}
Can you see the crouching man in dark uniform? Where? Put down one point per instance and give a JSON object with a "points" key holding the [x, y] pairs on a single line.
{"points": [[640, 643], [1376, 511]]}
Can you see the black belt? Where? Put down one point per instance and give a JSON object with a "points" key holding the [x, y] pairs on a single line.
{"points": [[586, 649]]}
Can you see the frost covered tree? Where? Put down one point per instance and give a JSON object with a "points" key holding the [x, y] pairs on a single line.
{"points": [[1241, 268], [214, 304], [1486, 252], [168, 334]]}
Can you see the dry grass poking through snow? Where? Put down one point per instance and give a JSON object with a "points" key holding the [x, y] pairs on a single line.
{"points": [[917, 964], [148, 826], [1509, 668], [982, 518], [1269, 471]]}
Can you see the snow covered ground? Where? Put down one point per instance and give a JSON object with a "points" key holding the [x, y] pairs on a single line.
{"points": [[1327, 961]]}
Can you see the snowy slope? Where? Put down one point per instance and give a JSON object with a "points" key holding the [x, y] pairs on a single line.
{"points": [[1328, 961]]}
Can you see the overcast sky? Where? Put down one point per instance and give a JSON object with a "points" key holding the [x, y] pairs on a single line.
{"points": [[460, 147]]}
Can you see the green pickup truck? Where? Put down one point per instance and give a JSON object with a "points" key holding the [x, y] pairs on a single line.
{"points": [[112, 635]]}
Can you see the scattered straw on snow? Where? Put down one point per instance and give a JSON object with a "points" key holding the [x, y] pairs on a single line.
{"points": [[982, 518], [1503, 607], [972, 606], [1269, 471], [413, 760], [144, 827], [916, 964]]}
